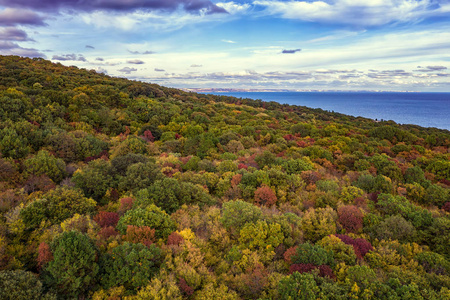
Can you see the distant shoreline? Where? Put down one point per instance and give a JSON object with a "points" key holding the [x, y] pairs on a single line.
{"points": [[427, 109], [233, 90]]}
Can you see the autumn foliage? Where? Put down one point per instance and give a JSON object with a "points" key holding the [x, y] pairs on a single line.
{"points": [[265, 196], [351, 218], [118, 189]]}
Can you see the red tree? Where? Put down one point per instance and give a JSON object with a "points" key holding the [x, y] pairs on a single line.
{"points": [[265, 196], [107, 232], [324, 270], [44, 254], [350, 217], [174, 239], [289, 253], [185, 288], [361, 246], [106, 218], [140, 234], [125, 204]]}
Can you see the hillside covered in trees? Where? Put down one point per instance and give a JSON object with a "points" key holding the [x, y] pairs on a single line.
{"points": [[116, 189]]}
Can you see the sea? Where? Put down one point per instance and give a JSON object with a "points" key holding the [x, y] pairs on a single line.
{"points": [[423, 109]]}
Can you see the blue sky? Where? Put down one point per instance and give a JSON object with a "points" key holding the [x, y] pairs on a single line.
{"points": [[399, 45]]}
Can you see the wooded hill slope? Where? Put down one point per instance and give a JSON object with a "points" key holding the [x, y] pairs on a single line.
{"points": [[117, 189]]}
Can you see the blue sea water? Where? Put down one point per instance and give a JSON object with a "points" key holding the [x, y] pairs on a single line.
{"points": [[424, 109]]}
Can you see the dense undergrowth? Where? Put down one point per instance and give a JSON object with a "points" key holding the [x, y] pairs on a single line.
{"points": [[116, 189]]}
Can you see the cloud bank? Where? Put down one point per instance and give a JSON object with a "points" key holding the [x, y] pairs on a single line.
{"points": [[192, 6], [356, 12]]}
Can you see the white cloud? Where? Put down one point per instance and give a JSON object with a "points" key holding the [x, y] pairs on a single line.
{"points": [[154, 20], [355, 12], [235, 8]]}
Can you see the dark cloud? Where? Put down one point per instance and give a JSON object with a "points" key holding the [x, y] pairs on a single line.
{"points": [[136, 62], [99, 59], [7, 45], [13, 34], [72, 56], [431, 68], [291, 51], [196, 66], [334, 71], [159, 70], [127, 70], [137, 52], [10, 48], [249, 76], [442, 75], [90, 47], [12, 17], [193, 6], [349, 76], [386, 74]]}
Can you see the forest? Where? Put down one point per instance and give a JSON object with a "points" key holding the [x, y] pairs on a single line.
{"points": [[119, 189]]}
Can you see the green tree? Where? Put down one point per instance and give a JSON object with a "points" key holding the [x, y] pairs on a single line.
{"points": [[131, 265], [140, 176], [95, 179], [132, 144], [120, 164], [152, 216], [318, 223], [261, 236], [170, 194], [19, 284], [298, 287], [342, 252], [235, 214], [45, 163], [312, 254], [395, 228], [13, 145], [296, 166], [74, 269], [56, 206]]}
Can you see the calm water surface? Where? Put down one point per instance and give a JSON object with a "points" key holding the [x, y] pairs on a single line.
{"points": [[424, 109]]}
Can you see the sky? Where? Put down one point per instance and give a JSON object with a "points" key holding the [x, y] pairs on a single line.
{"points": [[383, 45]]}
